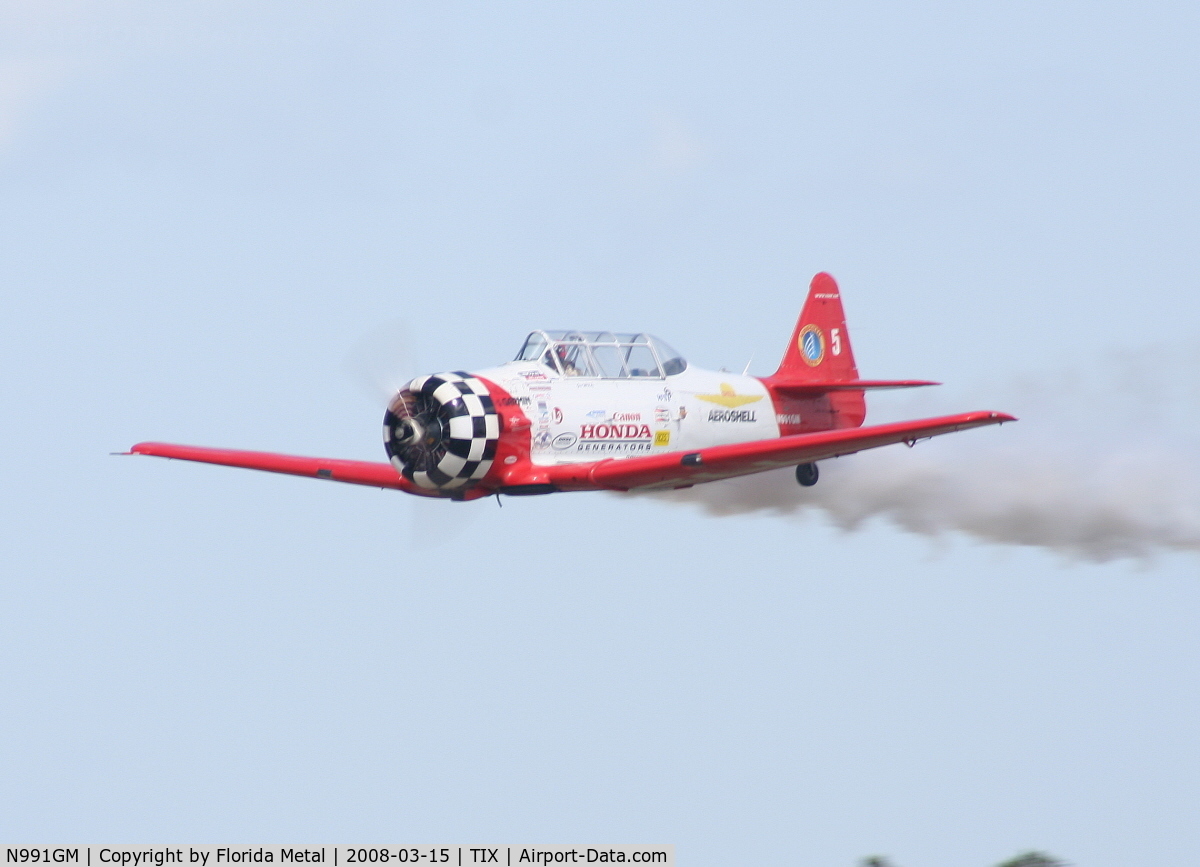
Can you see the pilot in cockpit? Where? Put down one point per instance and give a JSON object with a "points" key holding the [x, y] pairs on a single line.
{"points": [[564, 364]]}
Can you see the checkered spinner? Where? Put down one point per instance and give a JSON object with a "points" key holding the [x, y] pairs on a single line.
{"points": [[441, 431]]}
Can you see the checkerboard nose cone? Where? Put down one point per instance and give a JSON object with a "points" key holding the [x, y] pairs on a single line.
{"points": [[441, 431]]}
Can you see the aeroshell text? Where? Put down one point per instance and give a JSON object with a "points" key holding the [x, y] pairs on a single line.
{"points": [[733, 415]]}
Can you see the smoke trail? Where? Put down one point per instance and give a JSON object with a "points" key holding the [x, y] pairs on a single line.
{"points": [[1102, 465]]}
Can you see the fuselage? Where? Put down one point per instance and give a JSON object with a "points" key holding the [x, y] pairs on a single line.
{"points": [[575, 419]]}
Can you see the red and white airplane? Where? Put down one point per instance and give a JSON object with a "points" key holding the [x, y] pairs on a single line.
{"points": [[594, 410]]}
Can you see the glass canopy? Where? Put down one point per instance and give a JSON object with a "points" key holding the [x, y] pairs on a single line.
{"points": [[602, 354]]}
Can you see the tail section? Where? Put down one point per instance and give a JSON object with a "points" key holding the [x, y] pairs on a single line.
{"points": [[820, 347], [817, 386]]}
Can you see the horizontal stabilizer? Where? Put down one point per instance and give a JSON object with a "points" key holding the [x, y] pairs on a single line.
{"points": [[818, 386]]}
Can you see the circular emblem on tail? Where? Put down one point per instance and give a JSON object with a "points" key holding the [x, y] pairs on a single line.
{"points": [[811, 344]]}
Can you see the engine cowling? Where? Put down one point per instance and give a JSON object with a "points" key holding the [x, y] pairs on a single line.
{"points": [[440, 431]]}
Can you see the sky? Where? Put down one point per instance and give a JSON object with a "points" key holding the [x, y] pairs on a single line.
{"points": [[220, 220]]}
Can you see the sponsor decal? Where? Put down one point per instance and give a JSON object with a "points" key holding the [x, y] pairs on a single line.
{"points": [[564, 441], [787, 418], [811, 343], [662, 438], [622, 438], [737, 415], [558, 415], [624, 447], [682, 413], [543, 412], [729, 397], [662, 414], [542, 439], [515, 401], [532, 374], [614, 431], [597, 413], [627, 416], [665, 395]]}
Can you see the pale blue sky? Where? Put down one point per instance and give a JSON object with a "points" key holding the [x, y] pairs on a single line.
{"points": [[208, 206]]}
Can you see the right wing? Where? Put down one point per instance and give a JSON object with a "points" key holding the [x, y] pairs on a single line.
{"points": [[682, 469], [353, 472]]}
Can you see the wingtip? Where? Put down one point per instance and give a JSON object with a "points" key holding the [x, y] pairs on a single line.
{"points": [[137, 449]]}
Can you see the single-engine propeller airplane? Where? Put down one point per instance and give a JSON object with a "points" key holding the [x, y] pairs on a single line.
{"points": [[594, 410]]}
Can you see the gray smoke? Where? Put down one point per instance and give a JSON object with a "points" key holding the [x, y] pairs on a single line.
{"points": [[1103, 465]]}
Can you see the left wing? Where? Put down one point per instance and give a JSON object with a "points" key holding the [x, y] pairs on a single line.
{"points": [[676, 470]]}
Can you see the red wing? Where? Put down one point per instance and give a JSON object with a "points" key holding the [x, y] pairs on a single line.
{"points": [[739, 459], [352, 472]]}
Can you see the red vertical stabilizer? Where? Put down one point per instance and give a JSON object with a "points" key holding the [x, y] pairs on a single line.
{"points": [[820, 347], [818, 356]]}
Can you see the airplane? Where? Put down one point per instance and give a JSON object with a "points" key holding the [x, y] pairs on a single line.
{"points": [[597, 410]]}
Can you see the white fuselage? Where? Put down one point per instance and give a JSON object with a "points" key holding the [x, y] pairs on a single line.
{"points": [[577, 419]]}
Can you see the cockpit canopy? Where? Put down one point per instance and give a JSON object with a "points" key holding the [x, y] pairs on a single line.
{"points": [[602, 354]]}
